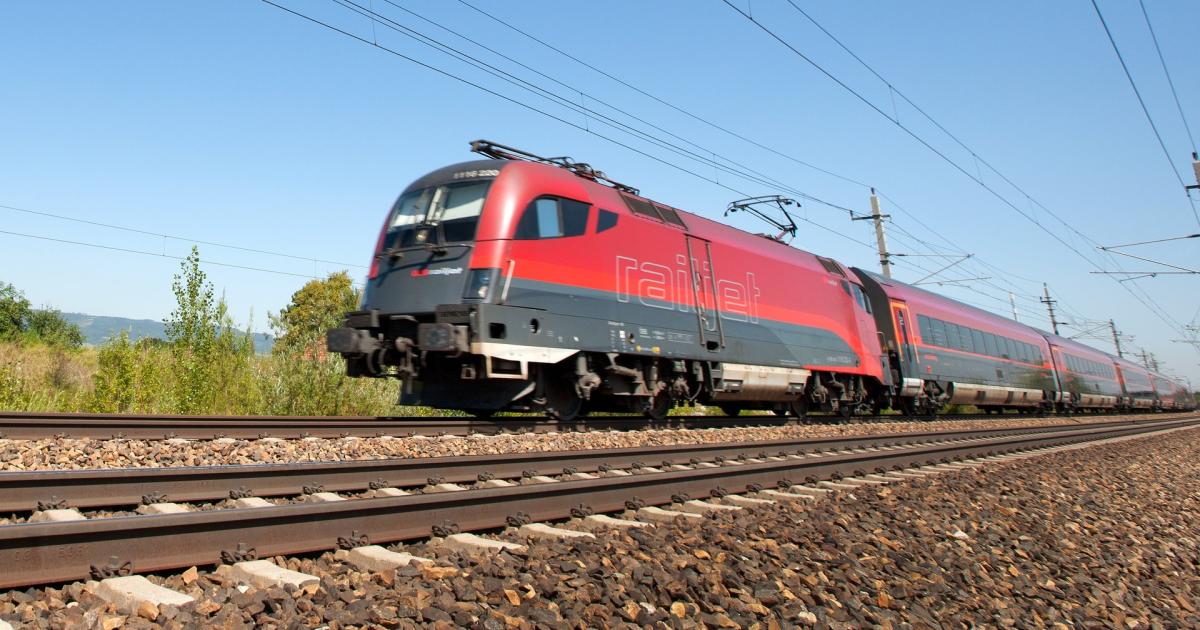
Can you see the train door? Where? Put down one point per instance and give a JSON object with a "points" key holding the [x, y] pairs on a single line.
{"points": [[904, 337], [704, 292]]}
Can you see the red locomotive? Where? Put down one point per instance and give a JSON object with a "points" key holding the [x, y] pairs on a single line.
{"points": [[527, 283]]}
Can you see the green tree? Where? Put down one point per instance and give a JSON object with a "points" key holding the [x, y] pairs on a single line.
{"points": [[116, 377], [48, 326], [14, 312], [193, 323], [318, 306], [192, 330]]}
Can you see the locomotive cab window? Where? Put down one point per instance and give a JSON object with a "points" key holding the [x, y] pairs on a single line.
{"points": [[552, 217], [447, 214]]}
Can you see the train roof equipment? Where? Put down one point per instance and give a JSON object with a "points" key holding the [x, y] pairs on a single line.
{"points": [[499, 151], [785, 226]]}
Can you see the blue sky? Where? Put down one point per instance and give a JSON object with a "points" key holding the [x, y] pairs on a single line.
{"points": [[238, 123]]}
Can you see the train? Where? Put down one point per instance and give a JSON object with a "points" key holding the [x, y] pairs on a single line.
{"points": [[523, 283]]}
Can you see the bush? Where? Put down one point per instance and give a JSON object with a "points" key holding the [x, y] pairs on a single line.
{"points": [[20, 322]]}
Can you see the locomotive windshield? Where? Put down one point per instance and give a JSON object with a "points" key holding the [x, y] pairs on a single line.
{"points": [[450, 213]]}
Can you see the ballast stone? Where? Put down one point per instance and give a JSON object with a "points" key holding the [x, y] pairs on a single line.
{"points": [[129, 592], [265, 574], [376, 558]]}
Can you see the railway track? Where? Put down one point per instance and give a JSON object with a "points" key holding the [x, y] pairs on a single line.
{"points": [[116, 487], [40, 552], [43, 425], [21, 425]]}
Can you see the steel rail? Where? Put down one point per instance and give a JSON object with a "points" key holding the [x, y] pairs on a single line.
{"points": [[42, 425], [110, 487], [38, 553]]}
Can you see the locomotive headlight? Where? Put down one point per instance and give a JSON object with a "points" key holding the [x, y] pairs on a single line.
{"points": [[479, 283], [421, 236]]}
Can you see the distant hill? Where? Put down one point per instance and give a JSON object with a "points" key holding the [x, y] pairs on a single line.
{"points": [[97, 328]]}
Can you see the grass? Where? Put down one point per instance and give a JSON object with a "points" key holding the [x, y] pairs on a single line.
{"points": [[126, 377]]}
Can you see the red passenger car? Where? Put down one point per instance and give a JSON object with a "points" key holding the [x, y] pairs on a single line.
{"points": [[946, 352]]}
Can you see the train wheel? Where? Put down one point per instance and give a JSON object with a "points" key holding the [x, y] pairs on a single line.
{"points": [[844, 413], [562, 403], [659, 407], [730, 410], [482, 414], [799, 408]]}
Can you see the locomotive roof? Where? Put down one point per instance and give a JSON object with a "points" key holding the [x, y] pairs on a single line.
{"points": [[447, 173]]}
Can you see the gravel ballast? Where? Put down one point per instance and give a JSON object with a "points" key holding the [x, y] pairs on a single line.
{"points": [[1104, 536], [68, 453]]}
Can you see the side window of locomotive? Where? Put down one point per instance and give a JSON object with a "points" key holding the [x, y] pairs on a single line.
{"points": [[552, 217], [860, 297], [606, 221]]}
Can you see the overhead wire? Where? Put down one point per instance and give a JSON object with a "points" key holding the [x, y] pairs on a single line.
{"points": [[1146, 110], [586, 129], [155, 254], [747, 174], [1144, 298], [176, 238], [662, 101], [658, 99], [1167, 72]]}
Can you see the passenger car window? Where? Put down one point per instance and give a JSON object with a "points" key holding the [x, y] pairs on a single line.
{"points": [[552, 217], [939, 333], [926, 332], [977, 341]]}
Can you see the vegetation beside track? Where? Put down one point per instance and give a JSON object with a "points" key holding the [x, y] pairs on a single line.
{"points": [[203, 367]]}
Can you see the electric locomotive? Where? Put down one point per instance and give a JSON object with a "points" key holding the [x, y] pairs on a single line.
{"points": [[527, 283]]}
